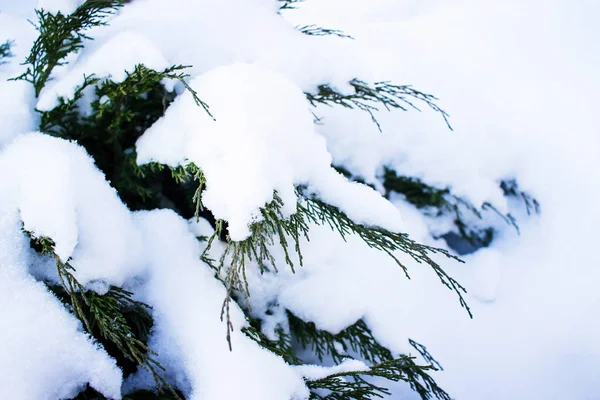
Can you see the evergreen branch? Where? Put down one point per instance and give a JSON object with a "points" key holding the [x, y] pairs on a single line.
{"points": [[64, 120], [5, 51], [232, 264], [357, 338], [181, 78], [61, 35], [256, 248], [231, 268], [367, 98], [288, 4], [102, 315], [113, 96], [281, 347], [508, 218], [435, 202], [198, 176], [378, 238], [121, 112], [422, 350], [354, 385], [315, 30], [416, 192], [510, 187], [273, 225]]}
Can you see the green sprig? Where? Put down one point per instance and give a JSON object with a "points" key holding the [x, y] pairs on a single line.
{"points": [[61, 35]]}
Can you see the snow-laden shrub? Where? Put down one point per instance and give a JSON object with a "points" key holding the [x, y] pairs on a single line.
{"points": [[173, 220]]}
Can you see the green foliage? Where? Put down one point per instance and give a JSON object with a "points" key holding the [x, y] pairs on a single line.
{"points": [[119, 322], [415, 190], [356, 338], [275, 226], [381, 239], [368, 98], [356, 384], [120, 114], [422, 350], [61, 35], [510, 187], [315, 30], [282, 346], [117, 114], [5, 51], [436, 202], [288, 4], [237, 254]]}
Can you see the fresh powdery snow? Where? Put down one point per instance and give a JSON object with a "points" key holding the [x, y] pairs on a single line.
{"points": [[520, 82], [265, 130]]}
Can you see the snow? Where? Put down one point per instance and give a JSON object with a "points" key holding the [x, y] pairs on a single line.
{"points": [[519, 80], [111, 60], [187, 302], [316, 372], [254, 131], [38, 329], [69, 211], [63, 6]]}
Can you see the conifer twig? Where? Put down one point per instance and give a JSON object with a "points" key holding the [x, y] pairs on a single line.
{"points": [[368, 97], [315, 30], [355, 385], [288, 4], [356, 338], [378, 238], [5, 51], [102, 314], [61, 35]]}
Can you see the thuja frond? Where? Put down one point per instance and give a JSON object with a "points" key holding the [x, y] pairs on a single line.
{"points": [[508, 218], [113, 96], [5, 51], [282, 346], [272, 226], [369, 98], [435, 201], [141, 80], [315, 30], [61, 35], [510, 187], [120, 113], [355, 384], [422, 350], [356, 338], [416, 192], [64, 120], [378, 238], [198, 176], [103, 315], [288, 4]]}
